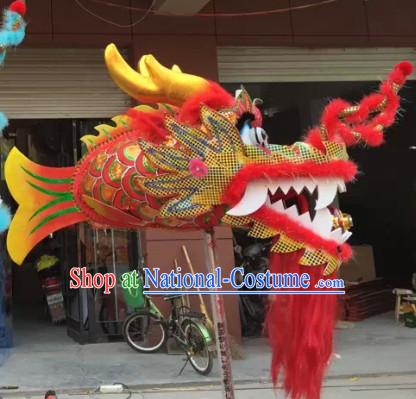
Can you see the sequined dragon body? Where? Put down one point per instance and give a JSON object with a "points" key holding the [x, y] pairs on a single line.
{"points": [[110, 181]]}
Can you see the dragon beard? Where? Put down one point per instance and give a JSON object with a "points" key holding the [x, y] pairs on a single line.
{"points": [[300, 330]]}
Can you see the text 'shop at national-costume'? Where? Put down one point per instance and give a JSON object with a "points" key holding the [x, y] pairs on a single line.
{"points": [[198, 157]]}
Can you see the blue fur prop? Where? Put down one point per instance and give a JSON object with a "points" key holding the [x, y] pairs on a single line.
{"points": [[12, 34], [10, 37], [5, 218], [3, 121]]}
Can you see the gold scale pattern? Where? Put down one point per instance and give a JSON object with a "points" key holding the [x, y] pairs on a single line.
{"points": [[284, 245], [217, 143]]}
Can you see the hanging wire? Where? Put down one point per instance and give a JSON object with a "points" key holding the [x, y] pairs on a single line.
{"points": [[145, 15], [173, 14]]}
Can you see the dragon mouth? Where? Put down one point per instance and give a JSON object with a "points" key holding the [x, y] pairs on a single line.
{"points": [[308, 202]]}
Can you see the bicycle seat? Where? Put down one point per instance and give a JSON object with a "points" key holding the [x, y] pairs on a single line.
{"points": [[172, 297]]}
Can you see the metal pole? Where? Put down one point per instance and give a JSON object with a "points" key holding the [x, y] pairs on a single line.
{"points": [[75, 155], [115, 273], [218, 310]]}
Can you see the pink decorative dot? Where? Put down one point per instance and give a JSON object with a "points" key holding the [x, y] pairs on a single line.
{"points": [[197, 168]]}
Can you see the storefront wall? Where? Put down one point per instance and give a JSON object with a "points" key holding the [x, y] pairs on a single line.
{"points": [[343, 23], [192, 43]]}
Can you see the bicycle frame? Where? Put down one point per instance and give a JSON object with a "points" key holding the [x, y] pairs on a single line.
{"points": [[154, 310]]}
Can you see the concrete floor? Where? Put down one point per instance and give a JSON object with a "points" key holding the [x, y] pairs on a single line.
{"points": [[45, 357], [382, 387]]}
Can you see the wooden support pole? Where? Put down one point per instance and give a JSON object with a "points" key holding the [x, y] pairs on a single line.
{"points": [[202, 306], [218, 310]]}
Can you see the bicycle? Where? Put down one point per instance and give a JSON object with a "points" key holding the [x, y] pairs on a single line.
{"points": [[147, 330]]}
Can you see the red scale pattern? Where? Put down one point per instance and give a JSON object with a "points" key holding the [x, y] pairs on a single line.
{"points": [[112, 181]]}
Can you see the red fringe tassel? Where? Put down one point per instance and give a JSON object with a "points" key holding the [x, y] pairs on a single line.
{"points": [[300, 329]]}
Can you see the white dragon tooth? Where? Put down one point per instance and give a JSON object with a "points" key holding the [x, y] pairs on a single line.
{"points": [[301, 182], [285, 185], [254, 198], [311, 186], [298, 185], [341, 186], [346, 235], [337, 235], [327, 189], [278, 206], [273, 185], [322, 222], [292, 211]]}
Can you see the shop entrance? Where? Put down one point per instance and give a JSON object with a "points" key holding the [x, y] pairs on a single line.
{"points": [[40, 279], [41, 308]]}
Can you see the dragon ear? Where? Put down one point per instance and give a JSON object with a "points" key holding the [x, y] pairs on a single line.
{"points": [[366, 121], [152, 83], [243, 101], [244, 104]]}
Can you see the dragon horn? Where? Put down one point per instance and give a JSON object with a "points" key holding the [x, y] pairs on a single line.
{"points": [[152, 83], [144, 71], [366, 121]]}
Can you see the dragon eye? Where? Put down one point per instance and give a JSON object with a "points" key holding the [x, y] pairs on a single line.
{"points": [[246, 128], [245, 119]]}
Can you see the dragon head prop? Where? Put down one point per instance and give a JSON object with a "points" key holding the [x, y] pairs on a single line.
{"points": [[222, 159], [279, 191], [196, 157]]}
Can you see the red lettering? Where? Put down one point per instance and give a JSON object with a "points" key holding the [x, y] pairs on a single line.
{"points": [[73, 274], [110, 282], [80, 278], [98, 280], [86, 278]]}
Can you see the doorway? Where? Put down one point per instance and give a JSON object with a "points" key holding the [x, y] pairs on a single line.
{"points": [[40, 306]]}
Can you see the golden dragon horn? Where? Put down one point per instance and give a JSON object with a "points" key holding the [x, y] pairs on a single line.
{"points": [[152, 83]]}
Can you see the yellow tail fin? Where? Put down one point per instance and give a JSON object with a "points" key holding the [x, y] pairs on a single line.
{"points": [[45, 199]]}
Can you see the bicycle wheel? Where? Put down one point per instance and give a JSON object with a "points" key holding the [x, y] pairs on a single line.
{"points": [[200, 356], [144, 332]]}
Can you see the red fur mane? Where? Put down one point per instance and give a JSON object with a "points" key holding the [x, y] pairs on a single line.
{"points": [[372, 115]]}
